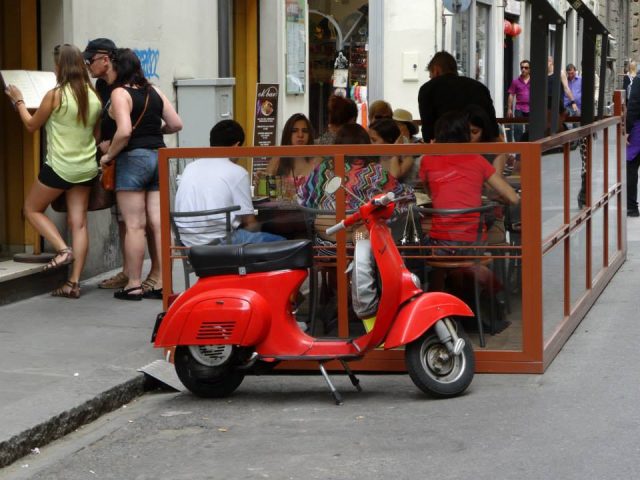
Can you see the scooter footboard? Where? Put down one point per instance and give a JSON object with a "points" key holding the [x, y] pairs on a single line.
{"points": [[421, 314]]}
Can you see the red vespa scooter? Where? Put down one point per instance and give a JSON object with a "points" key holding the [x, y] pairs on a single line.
{"points": [[238, 316]]}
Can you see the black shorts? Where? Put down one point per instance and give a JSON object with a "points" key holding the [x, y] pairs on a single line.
{"points": [[51, 179]]}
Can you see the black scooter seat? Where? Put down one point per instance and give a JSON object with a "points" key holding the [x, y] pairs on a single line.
{"points": [[210, 260]]}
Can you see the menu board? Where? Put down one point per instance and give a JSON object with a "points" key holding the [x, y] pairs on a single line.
{"points": [[296, 46], [33, 85], [266, 119]]}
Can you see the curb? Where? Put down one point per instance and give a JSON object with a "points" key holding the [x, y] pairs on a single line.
{"points": [[66, 422]]}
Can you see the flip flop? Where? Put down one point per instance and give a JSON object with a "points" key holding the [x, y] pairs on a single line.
{"points": [[125, 293], [154, 293]]}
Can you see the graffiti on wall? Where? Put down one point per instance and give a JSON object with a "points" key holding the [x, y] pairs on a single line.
{"points": [[149, 59]]}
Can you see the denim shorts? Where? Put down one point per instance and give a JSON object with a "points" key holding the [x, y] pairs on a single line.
{"points": [[137, 170]]}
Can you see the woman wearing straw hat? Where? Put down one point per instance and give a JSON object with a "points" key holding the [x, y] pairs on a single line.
{"points": [[404, 120], [409, 166]]}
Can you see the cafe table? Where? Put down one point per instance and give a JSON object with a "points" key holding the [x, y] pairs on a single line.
{"points": [[281, 217]]}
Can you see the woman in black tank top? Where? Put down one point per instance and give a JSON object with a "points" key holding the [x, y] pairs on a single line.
{"points": [[142, 114]]}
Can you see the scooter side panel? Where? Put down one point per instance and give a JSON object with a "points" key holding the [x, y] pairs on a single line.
{"points": [[223, 318], [420, 315]]}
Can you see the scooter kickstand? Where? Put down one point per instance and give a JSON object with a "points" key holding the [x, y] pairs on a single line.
{"points": [[354, 380], [336, 394]]}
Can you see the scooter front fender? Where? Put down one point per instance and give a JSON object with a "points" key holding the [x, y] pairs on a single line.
{"points": [[419, 315], [226, 316]]}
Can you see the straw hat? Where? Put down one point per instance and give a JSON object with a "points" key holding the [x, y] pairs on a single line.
{"points": [[404, 116]]}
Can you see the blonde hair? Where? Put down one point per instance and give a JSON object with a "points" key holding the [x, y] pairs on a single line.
{"points": [[380, 109], [72, 71], [633, 68]]}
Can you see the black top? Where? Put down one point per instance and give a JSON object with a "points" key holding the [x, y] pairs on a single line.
{"points": [[633, 105], [452, 92], [626, 83], [148, 133], [107, 124]]}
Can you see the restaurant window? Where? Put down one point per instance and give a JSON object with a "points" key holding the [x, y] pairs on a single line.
{"points": [[482, 43], [462, 41], [471, 41], [338, 55]]}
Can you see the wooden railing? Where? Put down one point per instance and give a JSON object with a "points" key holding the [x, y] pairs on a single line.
{"points": [[596, 231]]}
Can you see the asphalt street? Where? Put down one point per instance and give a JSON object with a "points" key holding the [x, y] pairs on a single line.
{"points": [[577, 421]]}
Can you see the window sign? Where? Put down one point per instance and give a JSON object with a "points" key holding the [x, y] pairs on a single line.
{"points": [[266, 117], [296, 46], [512, 7]]}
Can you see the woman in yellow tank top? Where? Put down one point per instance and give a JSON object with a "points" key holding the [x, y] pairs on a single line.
{"points": [[70, 112]]}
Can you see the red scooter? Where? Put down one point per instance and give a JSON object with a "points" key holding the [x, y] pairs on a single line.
{"points": [[238, 316]]}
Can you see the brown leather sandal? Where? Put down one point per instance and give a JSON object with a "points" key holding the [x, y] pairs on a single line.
{"points": [[67, 258], [149, 284], [117, 281], [149, 289], [68, 289]]}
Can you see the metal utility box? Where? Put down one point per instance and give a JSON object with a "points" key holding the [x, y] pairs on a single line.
{"points": [[202, 102]]}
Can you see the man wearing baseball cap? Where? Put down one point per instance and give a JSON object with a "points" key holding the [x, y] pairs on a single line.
{"points": [[98, 46], [98, 56]]}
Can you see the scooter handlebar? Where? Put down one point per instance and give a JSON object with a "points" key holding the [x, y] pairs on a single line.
{"points": [[336, 228], [385, 199], [381, 201]]}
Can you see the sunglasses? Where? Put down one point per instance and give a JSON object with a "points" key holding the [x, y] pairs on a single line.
{"points": [[524, 67], [93, 59]]}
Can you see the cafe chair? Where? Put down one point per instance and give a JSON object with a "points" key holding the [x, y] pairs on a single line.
{"points": [[513, 226], [197, 226], [472, 258], [497, 237]]}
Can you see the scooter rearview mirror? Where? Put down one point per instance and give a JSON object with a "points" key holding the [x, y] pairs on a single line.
{"points": [[333, 185]]}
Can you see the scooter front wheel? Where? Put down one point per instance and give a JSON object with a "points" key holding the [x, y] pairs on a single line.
{"points": [[208, 371], [435, 370]]}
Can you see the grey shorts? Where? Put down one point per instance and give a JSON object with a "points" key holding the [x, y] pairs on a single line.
{"points": [[137, 170]]}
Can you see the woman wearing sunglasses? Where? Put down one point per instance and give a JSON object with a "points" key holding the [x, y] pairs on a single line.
{"points": [[69, 112], [143, 114]]}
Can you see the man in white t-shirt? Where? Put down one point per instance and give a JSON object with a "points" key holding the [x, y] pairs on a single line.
{"points": [[212, 183]]}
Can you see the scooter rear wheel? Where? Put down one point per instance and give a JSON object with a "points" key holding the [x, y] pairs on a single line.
{"points": [[437, 372], [215, 380]]}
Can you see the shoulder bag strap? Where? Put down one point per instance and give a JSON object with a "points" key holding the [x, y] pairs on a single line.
{"points": [[146, 103]]}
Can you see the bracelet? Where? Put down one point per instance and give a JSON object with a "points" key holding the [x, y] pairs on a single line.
{"points": [[573, 101], [17, 102]]}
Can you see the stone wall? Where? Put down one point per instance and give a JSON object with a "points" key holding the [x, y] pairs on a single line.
{"points": [[634, 29]]}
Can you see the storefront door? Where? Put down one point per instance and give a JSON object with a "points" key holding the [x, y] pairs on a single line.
{"points": [[19, 150]]}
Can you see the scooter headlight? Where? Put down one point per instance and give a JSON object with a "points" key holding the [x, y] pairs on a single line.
{"points": [[416, 280]]}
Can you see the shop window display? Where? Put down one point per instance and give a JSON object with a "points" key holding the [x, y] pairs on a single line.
{"points": [[338, 56]]}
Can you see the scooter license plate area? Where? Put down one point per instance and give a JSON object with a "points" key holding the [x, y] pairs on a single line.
{"points": [[217, 321]]}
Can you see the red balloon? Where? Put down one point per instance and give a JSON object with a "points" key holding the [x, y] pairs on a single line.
{"points": [[508, 28], [517, 30]]}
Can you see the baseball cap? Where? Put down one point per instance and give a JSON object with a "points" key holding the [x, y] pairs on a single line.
{"points": [[99, 45]]}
